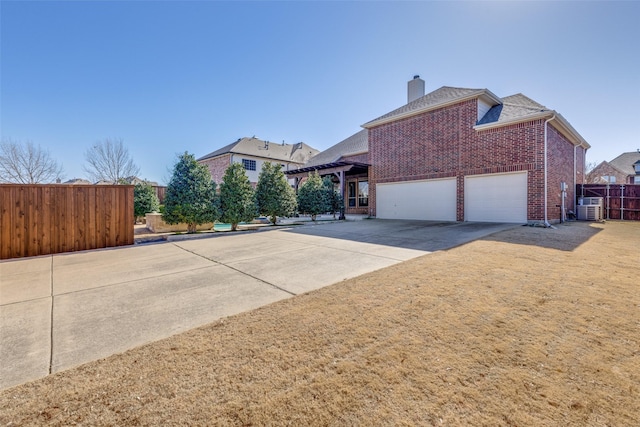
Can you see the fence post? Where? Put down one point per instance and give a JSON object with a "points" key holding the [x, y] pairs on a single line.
{"points": [[608, 200], [622, 202]]}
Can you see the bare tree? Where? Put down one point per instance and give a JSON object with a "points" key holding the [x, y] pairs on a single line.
{"points": [[27, 164], [591, 178], [109, 160]]}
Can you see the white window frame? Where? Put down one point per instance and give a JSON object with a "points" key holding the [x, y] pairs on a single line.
{"points": [[249, 164]]}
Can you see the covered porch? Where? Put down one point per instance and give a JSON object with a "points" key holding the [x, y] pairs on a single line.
{"points": [[350, 178]]}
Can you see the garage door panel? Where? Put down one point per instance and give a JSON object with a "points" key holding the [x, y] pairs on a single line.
{"points": [[496, 198], [422, 200]]}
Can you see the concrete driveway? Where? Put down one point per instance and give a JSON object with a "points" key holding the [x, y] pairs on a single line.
{"points": [[60, 311]]}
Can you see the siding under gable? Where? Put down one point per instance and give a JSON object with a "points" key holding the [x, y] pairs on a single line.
{"points": [[483, 108]]}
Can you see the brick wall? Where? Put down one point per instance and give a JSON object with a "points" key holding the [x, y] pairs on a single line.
{"points": [[605, 169], [443, 143], [217, 167], [560, 168]]}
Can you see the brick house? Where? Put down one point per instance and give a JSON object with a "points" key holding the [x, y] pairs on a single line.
{"points": [[624, 169], [458, 154], [252, 153]]}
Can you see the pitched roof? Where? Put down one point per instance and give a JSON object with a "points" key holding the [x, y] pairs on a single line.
{"points": [[439, 98], [355, 144], [625, 161], [512, 108], [296, 153], [78, 181]]}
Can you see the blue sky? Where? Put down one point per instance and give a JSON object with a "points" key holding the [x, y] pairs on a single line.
{"points": [[169, 77]]}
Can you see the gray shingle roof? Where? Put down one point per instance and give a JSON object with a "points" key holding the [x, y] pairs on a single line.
{"points": [[356, 143], [512, 108], [625, 161], [444, 95], [297, 153]]}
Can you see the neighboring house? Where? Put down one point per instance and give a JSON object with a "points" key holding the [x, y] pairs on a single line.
{"points": [[624, 169], [78, 181], [130, 180], [458, 154], [252, 153]]}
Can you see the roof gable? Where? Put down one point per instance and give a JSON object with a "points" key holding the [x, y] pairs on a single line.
{"points": [[514, 107], [355, 144], [625, 161], [439, 98], [296, 153]]}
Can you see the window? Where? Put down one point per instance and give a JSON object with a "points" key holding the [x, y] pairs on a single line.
{"points": [[363, 193], [609, 178], [352, 194], [358, 194], [636, 167], [249, 165]]}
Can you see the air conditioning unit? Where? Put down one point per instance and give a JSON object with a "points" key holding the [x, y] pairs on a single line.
{"points": [[591, 201], [590, 212]]}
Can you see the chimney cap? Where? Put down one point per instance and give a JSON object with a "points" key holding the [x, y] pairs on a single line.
{"points": [[417, 76]]}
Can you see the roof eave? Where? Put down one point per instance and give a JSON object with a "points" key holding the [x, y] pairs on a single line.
{"points": [[562, 125], [484, 93], [355, 153], [570, 132]]}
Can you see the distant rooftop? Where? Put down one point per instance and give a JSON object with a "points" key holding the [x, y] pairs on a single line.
{"points": [[295, 153]]}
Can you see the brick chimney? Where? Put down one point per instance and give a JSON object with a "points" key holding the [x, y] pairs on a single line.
{"points": [[415, 89]]}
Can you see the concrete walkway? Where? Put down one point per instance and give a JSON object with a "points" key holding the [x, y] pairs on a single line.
{"points": [[60, 311]]}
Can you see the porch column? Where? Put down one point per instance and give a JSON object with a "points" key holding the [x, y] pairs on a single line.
{"points": [[340, 175]]}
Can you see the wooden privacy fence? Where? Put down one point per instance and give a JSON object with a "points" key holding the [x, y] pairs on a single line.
{"points": [[161, 191], [48, 219], [621, 201]]}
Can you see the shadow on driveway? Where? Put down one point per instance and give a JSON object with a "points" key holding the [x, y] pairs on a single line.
{"points": [[427, 236]]}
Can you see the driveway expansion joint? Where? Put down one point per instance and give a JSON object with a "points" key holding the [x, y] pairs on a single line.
{"points": [[237, 270], [51, 320]]}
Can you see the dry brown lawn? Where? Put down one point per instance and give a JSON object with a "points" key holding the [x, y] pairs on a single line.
{"points": [[526, 327]]}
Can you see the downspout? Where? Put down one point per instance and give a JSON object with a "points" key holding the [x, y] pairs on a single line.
{"points": [[575, 177], [546, 219]]}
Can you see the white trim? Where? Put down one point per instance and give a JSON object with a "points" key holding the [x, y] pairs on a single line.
{"points": [[522, 119], [563, 126], [546, 170], [575, 176]]}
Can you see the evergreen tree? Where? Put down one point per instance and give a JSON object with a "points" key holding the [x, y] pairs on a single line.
{"points": [[191, 195], [237, 198], [274, 195], [145, 199], [312, 198], [334, 199]]}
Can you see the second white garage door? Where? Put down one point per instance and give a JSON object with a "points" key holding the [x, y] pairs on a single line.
{"points": [[433, 200], [496, 198]]}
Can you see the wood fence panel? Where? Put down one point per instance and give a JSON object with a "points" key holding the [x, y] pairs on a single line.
{"points": [[47, 219], [90, 214], [621, 201]]}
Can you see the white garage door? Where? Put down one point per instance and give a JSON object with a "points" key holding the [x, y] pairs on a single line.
{"points": [[496, 198], [433, 200]]}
